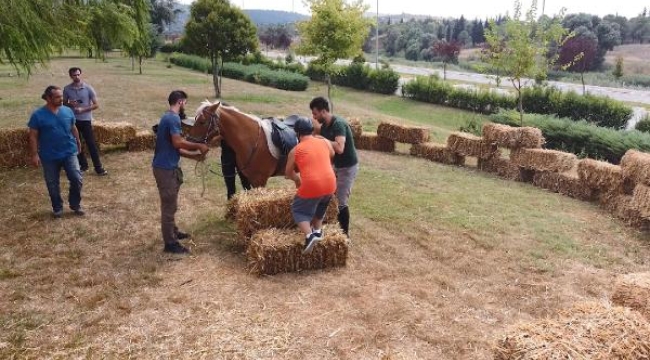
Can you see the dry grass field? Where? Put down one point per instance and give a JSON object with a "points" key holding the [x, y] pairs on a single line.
{"points": [[443, 259], [635, 58]]}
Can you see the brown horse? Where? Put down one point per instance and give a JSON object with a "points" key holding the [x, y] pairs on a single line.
{"points": [[244, 133]]}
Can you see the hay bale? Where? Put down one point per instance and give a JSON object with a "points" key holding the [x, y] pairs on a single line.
{"points": [[513, 137], [502, 167], [143, 140], [622, 207], [403, 133], [265, 208], [470, 145], [357, 127], [600, 175], [585, 331], [563, 184], [641, 200], [543, 160], [14, 147], [113, 133], [370, 141], [437, 152], [274, 251], [14, 140], [636, 166], [633, 291]]}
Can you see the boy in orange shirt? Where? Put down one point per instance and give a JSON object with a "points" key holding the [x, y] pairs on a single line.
{"points": [[309, 165]]}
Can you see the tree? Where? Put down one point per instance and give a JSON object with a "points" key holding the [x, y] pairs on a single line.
{"points": [[163, 12], [220, 31], [578, 54], [31, 31], [618, 69], [108, 24], [141, 43], [519, 47], [448, 52], [335, 31]]}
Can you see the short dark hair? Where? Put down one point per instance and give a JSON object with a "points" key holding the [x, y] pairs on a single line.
{"points": [[48, 91], [319, 103], [176, 96], [74, 69]]}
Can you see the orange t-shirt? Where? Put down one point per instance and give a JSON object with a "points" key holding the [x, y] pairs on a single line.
{"points": [[316, 173]]}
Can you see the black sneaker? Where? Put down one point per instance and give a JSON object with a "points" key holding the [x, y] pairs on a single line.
{"points": [[102, 172], [319, 233], [175, 248], [182, 236], [310, 242], [84, 169], [57, 214], [79, 211]]}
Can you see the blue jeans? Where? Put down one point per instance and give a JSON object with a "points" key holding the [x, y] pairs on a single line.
{"points": [[52, 171]]}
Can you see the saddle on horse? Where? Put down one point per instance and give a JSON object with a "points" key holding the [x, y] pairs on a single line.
{"points": [[283, 135]]}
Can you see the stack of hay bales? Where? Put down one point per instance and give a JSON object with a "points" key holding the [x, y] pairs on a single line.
{"points": [[600, 177], [585, 331], [14, 147], [143, 140], [438, 153], [113, 133], [633, 291], [265, 226], [265, 208], [273, 251], [402, 133], [634, 209], [514, 139]]}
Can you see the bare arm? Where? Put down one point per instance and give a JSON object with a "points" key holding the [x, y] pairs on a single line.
{"points": [[339, 144], [290, 170], [33, 147]]}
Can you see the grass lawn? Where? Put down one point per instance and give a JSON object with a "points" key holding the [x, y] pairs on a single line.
{"points": [[443, 258]]}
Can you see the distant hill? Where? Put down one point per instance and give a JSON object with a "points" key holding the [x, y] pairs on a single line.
{"points": [[274, 17], [258, 17]]}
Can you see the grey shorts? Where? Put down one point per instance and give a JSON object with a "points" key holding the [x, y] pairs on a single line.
{"points": [[344, 179], [307, 209]]}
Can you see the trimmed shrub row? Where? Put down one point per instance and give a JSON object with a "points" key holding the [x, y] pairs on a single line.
{"points": [[599, 110], [358, 76], [257, 74], [580, 137]]}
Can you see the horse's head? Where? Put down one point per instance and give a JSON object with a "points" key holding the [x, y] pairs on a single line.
{"points": [[205, 126]]}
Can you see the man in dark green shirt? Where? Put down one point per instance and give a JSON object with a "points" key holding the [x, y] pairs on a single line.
{"points": [[346, 164]]}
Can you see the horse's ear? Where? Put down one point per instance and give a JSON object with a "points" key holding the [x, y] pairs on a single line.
{"points": [[215, 106]]}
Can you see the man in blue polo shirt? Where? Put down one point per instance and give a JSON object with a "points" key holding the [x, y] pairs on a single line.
{"points": [[54, 143], [170, 146]]}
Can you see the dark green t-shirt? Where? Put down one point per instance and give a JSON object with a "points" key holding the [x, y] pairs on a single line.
{"points": [[340, 127]]}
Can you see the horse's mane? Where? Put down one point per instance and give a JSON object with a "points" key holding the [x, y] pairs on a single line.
{"points": [[207, 103]]}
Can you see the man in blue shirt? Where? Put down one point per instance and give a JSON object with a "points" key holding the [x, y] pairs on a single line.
{"points": [[170, 146], [54, 143]]}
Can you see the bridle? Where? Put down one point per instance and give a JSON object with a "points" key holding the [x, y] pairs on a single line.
{"points": [[213, 127]]}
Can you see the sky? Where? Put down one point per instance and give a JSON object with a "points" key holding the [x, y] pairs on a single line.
{"points": [[469, 8]]}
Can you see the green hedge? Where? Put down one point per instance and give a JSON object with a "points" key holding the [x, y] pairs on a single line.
{"points": [[599, 110], [580, 137], [358, 76], [257, 73]]}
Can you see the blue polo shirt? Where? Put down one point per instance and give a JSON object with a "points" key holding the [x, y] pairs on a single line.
{"points": [[166, 156], [55, 139]]}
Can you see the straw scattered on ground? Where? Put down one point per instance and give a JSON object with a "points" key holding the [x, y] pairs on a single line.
{"points": [[633, 291], [586, 331]]}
